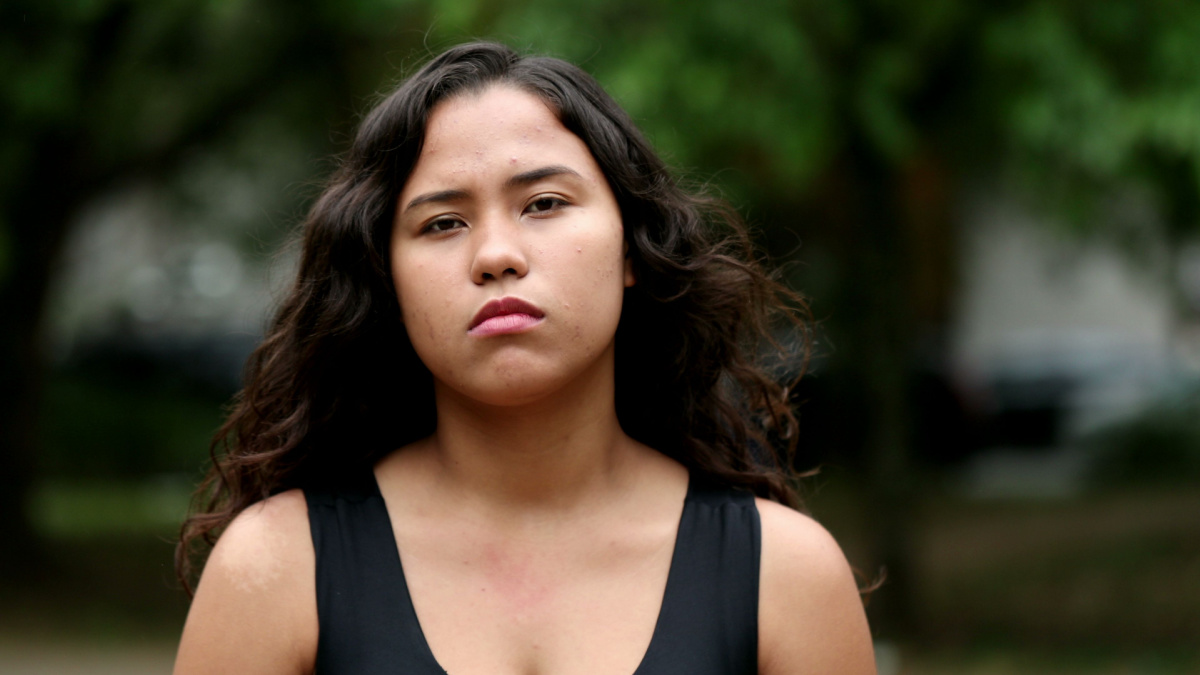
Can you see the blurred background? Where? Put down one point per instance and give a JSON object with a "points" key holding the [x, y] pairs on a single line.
{"points": [[993, 206]]}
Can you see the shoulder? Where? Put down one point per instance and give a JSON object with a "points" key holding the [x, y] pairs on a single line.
{"points": [[811, 618], [255, 605], [263, 540]]}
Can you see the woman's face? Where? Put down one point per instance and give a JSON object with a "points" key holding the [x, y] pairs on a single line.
{"points": [[508, 252]]}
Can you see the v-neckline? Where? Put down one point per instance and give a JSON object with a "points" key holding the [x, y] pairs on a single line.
{"points": [[672, 576]]}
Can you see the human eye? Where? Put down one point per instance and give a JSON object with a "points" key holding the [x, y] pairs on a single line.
{"points": [[545, 204], [442, 224]]}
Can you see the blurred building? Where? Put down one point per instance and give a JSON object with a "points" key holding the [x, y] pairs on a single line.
{"points": [[1054, 339]]}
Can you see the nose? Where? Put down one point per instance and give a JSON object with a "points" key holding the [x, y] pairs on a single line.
{"points": [[498, 252]]}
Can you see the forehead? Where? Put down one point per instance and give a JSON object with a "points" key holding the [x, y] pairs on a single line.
{"points": [[492, 111], [497, 130]]}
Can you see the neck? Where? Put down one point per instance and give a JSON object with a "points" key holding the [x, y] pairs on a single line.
{"points": [[552, 452]]}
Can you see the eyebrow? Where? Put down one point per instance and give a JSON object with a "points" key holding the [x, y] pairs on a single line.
{"points": [[524, 178], [442, 196], [535, 175]]}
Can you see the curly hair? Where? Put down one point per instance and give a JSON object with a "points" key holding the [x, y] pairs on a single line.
{"points": [[335, 384]]}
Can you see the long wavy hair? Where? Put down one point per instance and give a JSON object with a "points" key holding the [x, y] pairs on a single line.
{"points": [[707, 346]]}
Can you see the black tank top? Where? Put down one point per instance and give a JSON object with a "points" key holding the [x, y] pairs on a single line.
{"points": [[707, 625]]}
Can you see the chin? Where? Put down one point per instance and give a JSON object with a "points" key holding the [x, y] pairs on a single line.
{"points": [[496, 389], [513, 392], [518, 380]]}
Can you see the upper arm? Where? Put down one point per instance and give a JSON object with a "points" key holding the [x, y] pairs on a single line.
{"points": [[255, 606], [811, 618]]}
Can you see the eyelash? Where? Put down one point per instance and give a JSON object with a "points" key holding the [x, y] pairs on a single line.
{"points": [[555, 203], [431, 227]]}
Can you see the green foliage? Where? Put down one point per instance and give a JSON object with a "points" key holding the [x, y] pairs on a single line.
{"points": [[715, 85], [90, 508], [1072, 96], [1075, 95], [1098, 94]]}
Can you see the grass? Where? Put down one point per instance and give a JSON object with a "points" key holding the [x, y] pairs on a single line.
{"points": [[106, 577], [112, 589], [1119, 569], [1105, 583], [1022, 660]]}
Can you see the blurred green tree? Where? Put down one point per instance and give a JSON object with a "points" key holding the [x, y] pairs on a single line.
{"points": [[96, 94], [854, 125]]}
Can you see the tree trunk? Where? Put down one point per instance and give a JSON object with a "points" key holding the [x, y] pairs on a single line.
{"points": [[39, 213], [874, 326]]}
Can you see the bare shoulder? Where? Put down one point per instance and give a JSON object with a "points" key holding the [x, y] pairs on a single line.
{"points": [[255, 605], [811, 618], [262, 544]]}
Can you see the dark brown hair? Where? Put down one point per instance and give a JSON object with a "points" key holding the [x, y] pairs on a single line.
{"points": [[335, 385]]}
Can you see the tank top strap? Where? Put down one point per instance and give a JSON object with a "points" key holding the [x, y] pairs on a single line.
{"points": [[366, 616], [708, 624]]}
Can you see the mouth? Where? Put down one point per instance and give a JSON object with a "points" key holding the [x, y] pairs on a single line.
{"points": [[505, 315]]}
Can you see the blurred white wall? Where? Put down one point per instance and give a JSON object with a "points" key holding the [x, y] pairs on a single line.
{"points": [[1039, 304]]}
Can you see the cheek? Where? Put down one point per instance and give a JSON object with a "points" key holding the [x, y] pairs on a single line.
{"points": [[598, 274], [428, 334], [414, 293]]}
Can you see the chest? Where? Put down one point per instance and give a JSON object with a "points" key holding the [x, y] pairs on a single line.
{"points": [[559, 605], [584, 601]]}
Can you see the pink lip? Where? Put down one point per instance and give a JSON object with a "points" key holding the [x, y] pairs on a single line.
{"points": [[505, 315]]}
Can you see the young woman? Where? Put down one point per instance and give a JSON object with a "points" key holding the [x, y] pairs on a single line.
{"points": [[511, 418]]}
